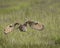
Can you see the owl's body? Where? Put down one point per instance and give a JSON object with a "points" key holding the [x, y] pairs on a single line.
{"points": [[23, 27]]}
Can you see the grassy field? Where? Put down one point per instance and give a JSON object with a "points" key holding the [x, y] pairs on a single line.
{"points": [[44, 11]]}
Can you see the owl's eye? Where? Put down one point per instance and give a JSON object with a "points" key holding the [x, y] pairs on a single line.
{"points": [[10, 26], [36, 23]]}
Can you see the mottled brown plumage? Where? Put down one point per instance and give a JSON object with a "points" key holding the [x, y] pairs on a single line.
{"points": [[10, 28], [23, 27], [35, 25]]}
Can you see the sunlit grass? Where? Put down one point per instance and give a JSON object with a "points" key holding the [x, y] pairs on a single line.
{"points": [[44, 11]]}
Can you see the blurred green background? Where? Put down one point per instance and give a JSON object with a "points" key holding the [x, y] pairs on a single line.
{"points": [[44, 11]]}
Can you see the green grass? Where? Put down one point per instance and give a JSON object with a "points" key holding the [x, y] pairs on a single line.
{"points": [[44, 11]]}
